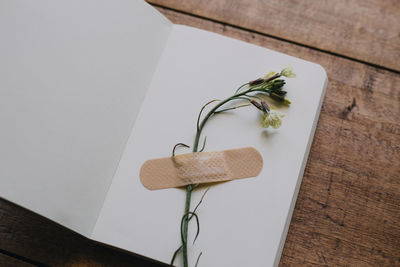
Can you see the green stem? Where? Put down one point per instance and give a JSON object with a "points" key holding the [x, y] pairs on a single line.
{"points": [[185, 225], [208, 116], [232, 108], [189, 188]]}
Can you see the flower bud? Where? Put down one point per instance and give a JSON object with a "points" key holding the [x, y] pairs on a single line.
{"points": [[255, 82], [257, 105], [287, 101], [265, 106], [277, 97], [277, 84]]}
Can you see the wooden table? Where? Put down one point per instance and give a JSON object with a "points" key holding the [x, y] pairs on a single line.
{"points": [[348, 209]]}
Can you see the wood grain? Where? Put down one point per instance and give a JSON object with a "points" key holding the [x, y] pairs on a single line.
{"points": [[348, 209], [44, 242], [6, 260], [367, 30]]}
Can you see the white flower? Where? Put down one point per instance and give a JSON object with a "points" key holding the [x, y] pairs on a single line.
{"points": [[273, 119], [270, 74], [288, 72]]}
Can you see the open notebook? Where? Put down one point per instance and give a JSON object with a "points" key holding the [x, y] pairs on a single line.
{"points": [[90, 89]]}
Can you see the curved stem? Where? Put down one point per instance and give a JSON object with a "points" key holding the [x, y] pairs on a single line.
{"points": [[209, 115], [190, 188], [185, 225]]}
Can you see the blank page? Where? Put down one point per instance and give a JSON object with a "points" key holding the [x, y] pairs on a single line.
{"points": [[73, 75], [243, 222]]}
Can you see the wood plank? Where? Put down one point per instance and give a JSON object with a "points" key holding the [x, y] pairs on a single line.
{"points": [[348, 209], [8, 261], [34, 237], [366, 30]]}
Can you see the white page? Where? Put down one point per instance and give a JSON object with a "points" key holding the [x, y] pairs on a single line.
{"points": [[243, 222], [73, 75]]}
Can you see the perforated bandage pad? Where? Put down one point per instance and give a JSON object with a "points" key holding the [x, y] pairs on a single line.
{"points": [[201, 167]]}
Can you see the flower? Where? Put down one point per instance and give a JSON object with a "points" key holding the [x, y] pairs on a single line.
{"points": [[273, 119], [288, 72], [270, 74]]}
